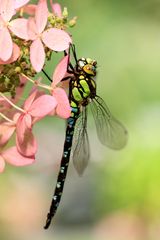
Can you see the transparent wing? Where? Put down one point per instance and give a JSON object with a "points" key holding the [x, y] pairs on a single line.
{"points": [[110, 131], [80, 146]]}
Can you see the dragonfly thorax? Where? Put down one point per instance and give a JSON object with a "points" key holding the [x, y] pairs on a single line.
{"points": [[83, 90], [83, 86]]}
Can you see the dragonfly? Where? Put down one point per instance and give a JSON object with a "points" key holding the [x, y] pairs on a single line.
{"points": [[110, 131]]}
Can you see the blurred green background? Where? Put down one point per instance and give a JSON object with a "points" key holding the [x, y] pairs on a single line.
{"points": [[118, 197]]}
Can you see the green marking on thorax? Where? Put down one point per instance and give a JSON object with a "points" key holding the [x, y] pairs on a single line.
{"points": [[76, 94], [81, 77], [85, 86], [73, 104]]}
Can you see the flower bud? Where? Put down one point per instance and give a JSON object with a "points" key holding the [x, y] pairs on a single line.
{"points": [[72, 22], [65, 12], [51, 20], [17, 69]]}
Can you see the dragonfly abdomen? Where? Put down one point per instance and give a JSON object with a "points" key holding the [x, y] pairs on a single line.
{"points": [[64, 164]]}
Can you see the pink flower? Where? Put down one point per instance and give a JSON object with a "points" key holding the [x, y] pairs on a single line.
{"points": [[63, 107], [53, 38], [56, 9], [17, 26], [13, 157], [33, 108]]}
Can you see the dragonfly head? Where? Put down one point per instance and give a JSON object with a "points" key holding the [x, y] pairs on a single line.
{"points": [[88, 66]]}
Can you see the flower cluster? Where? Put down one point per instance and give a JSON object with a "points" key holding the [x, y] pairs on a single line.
{"points": [[28, 35]]}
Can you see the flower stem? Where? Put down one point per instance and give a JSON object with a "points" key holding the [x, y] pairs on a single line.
{"points": [[11, 103], [6, 118], [38, 84]]}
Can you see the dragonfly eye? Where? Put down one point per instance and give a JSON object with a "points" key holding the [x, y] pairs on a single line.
{"points": [[94, 63], [93, 68], [81, 63], [89, 69]]}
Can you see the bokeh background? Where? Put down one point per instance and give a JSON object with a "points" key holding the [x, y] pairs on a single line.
{"points": [[118, 197]]}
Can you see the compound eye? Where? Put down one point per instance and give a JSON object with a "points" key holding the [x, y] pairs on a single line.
{"points": [[93, 68], [94, 63], [81, 64], [89, 69], [89, 60]]}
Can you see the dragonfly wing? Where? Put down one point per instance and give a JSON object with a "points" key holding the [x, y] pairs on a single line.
{"points": [[81, 149], [110, 131]]}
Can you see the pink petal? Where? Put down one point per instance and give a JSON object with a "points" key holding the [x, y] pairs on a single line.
{"points": [[6, 45], [6, 131], [6, 9], [52, 113], [28, 120], [56, 39], [30, 100], [60, 71], [13, 157], [21, 128], [19, 27], [63, 108], [23, 125], [15, 55], [30, 9], [37, 55], [28, 147], [2, 164], [16, 117], [42, 106], [56, 9], [41, 15], [20, 3], [25, 141], [32, 30]]}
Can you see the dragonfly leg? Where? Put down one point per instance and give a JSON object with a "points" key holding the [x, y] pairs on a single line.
{"points": [[73, 48], [66, 78]]}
